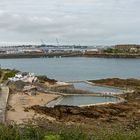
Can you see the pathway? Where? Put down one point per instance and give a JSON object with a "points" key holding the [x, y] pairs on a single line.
{"points": [[2, 77], [3, 102]]}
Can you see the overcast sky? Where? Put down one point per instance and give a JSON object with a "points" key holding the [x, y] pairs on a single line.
{"points": [[82, 22]]}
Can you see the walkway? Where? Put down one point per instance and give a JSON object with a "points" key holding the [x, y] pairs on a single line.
{"points": [[2, 77], [76, 81], [82, 81], [3, 102]]}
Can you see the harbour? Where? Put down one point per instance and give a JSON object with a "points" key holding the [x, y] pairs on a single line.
{"points": [[69, 70]]}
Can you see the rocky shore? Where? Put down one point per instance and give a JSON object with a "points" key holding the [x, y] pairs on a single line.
{"points": [[117, 82], [111, 55], [124, 114]]}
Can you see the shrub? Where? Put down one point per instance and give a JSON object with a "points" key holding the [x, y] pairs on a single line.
{"points": [[53, 137]]}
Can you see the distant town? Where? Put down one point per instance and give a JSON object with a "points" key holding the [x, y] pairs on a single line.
{"points": [[43, 50]]}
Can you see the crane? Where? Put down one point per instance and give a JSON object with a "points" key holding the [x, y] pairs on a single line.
{"points": [[43, 44], [57, 42]]}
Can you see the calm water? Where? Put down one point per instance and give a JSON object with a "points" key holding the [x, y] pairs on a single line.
{"points": [[78, 100], [68, 69], [97, 89]]}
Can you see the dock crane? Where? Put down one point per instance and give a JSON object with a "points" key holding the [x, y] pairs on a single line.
{"points": [[42, 43], [57, 42]]}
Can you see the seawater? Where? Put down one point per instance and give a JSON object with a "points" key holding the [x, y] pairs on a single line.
{"points": [[78, 100], [77, 68], [97, 89]]}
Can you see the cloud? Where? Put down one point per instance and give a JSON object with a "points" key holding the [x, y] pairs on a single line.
{"points": [[71, 21]]}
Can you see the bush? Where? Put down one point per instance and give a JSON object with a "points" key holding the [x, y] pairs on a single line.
{"points": [[15, 133], [9, 74], [75, 134], [44, 79], [53, 137], [9, 133]]}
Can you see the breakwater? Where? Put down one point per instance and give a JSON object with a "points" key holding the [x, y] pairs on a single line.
{"points": [[38, 55], [68, 54]]}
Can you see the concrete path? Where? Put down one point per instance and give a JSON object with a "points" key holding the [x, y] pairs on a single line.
{"points": [[2, 77], [81, 81], [76, 81], [3, 102]]}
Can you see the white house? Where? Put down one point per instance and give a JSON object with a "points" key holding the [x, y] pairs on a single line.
{"points": [[25, 77]]}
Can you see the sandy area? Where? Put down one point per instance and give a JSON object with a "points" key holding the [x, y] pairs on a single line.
{"points": [[19, 101]]}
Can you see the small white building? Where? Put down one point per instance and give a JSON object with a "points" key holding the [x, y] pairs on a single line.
{"points": [[25, 77]]}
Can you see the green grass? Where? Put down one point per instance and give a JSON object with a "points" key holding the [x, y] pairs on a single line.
{"points": [[7, 74], [16, 133], [30, 133]]}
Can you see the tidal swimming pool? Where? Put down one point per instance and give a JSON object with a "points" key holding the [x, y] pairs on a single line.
{"points": [[82, 100], [97, 89]]}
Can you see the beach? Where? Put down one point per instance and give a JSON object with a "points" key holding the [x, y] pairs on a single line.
{"points": [[18, 102]]}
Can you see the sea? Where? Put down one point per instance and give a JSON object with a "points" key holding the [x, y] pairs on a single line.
{"points": [[76, 68]]}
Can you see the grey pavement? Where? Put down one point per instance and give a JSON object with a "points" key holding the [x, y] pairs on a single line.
{"points": [[3, 102]]}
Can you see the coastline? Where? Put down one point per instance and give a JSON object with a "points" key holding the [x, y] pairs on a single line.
{"points": [[72, 54], [24, 108]]}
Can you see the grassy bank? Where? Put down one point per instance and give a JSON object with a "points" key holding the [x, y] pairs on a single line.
{"points": [[120, 83], [30, 133], [6, 73]]}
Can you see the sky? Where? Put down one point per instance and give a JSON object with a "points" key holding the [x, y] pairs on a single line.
{"points": [[85, 22]]}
